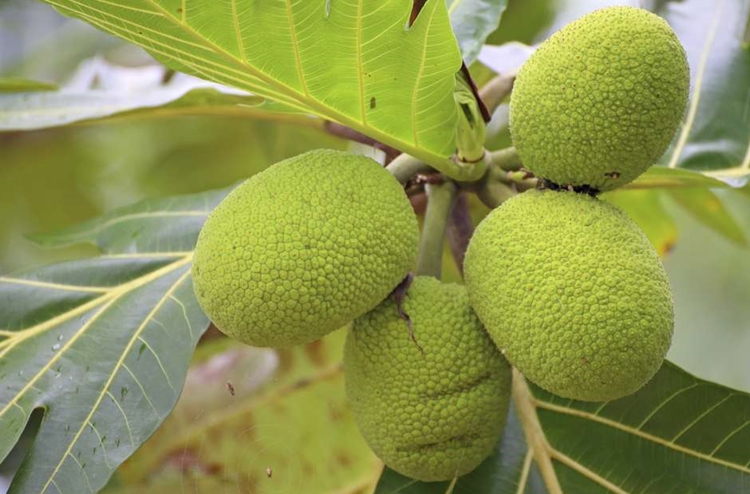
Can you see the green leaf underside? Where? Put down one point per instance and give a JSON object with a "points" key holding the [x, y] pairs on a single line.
{"points": [[663, 177], [678, 434], [472, 22], [706, 207], [101, 344], [38, 110], [353, 62], [646, 208], [716, 130], [14, 84]]}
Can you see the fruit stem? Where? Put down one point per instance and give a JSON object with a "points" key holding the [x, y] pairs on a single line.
{"points": [[494, 192], [495, 188], [496, 90], [404, 167], [439, 202], [506, 159]]}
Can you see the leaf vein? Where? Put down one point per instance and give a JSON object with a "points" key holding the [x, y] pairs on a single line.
{"points": [[101, 442], [641, 434], [578, 467], [184, 313], [85, 475], [55, 286], [118, 364], [143, 391], [158, 360], [664, 403], [238, 32], [702, 415], [125, 417]]}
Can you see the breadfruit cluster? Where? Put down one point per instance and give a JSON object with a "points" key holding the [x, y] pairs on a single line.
{"points": [[600, 100], [431, 404], [562, 285], [303, 248], [595, 106]]}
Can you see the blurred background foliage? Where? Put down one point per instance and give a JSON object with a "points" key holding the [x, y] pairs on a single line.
{"points": [[60, 176]]}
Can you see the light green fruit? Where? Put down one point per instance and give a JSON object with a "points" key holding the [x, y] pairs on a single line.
{"points": [[435, 412], [600, 100], [572, 292], [303, 248]]}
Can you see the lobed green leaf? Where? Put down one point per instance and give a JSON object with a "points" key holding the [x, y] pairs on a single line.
{"points": [[101, 345]]}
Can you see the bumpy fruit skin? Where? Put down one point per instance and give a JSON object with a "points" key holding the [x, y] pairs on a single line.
{"points": [[572, 292], [303, 248], [600, 100], [430, 414]]}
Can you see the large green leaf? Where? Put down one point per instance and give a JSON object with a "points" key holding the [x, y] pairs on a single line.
{"points": [[473, 21], [102, 345], [716, 131], [678, 434], [128, 92], [246, 410], [358, 63]]}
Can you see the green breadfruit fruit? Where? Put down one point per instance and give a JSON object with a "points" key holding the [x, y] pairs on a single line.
{"points": [[434, 408], [303, 248], [600, 100], [573, 294]]}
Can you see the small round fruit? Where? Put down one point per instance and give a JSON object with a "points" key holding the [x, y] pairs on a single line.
{"points": [[303, 248], [572, 292], [600, 100], [435, 408]]}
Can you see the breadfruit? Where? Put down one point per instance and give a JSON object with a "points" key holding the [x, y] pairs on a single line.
{"points": [[303, 248], [600, 100], [572, 292], [434, 406]]}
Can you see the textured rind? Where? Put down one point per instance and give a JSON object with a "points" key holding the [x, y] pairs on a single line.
{"points": [[303, 248], [434, 414], [572, 292], [600, 101]]}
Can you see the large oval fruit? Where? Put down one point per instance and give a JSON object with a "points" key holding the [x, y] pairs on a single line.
{"points": [[600, 100], [572, 292], [434, 408], [303, 248]]}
